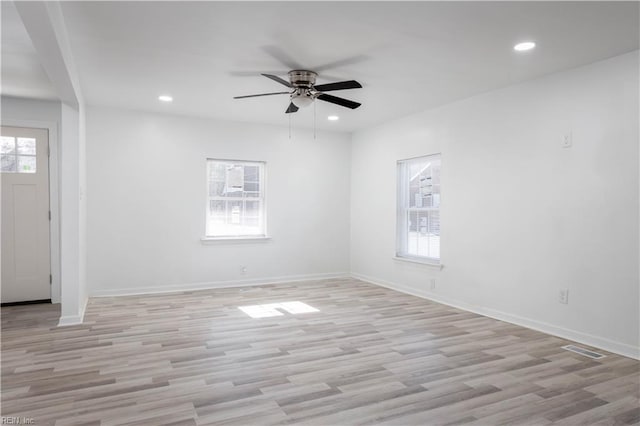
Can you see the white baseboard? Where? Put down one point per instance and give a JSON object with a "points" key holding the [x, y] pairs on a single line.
{"points": [[74, 319], [576, 336], [213, 285]]}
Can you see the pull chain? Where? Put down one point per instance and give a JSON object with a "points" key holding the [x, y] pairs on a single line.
{"points": [[289, 126], [314, 120]]}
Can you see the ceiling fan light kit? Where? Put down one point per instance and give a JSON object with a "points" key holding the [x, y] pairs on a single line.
{"points": [[302, 100], [304, 90]]}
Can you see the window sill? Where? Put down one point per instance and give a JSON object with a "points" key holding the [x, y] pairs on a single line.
{"points": [[247, 239], [425, 262]]}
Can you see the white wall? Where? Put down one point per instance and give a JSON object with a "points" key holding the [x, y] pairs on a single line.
{"points": [[30, 110], [522, 217], [83, 290], [146, 206], [70, 218], [73, 216]]}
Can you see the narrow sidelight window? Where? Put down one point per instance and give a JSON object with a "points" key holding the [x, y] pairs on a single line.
{"points": [[418, 234]]}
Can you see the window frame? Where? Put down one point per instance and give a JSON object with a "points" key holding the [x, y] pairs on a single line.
{"points": [[262, 215], [403, 209]]}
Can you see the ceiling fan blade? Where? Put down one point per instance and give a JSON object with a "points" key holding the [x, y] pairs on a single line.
{"points": [[340, 85], [283, 57], [340, 63], [278, 79], [292, 108], [339, 101], [256, 73], [261, 94]]}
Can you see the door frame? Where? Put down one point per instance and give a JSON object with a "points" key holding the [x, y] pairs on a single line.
{"points": [[54, 196]]}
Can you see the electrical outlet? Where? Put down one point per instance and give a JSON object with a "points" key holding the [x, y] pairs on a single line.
{"points": [[243, 269], [433, 284], [563, 296], [567, 140]]}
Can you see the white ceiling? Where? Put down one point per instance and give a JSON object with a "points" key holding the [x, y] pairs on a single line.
{"points": [[22, 74], [408, 56]]}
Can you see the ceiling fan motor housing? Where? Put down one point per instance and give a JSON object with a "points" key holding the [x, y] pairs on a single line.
{"points": [[302, 78]]}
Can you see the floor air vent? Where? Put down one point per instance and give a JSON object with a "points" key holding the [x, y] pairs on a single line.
{"points": [[583, 351]]}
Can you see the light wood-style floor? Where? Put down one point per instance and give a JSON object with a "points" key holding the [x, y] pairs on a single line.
{"points": [[368, 356]]}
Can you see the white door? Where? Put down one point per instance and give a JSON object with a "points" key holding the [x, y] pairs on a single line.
{"points": [[25, 214]]}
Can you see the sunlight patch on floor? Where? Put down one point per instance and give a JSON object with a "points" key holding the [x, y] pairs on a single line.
{"points": [[273, 309]]}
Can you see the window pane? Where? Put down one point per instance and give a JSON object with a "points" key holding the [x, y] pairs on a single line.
{"points": [[424, 233], [230, 180], [216, 188], [26, 164], [434, 199], [228, 218], [421, 233], [8, 163], [216, 170], [27, 146], [424, 182], [252, 213], [7, 145], [234, 212], [251, 173], [235, 207], [433, 234], [234, 180], [251, 187], [217, 210], [413, 233], [415, 197]]}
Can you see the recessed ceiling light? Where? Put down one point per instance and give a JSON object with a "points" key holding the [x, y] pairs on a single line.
{"points": [[333, 118], [165, 98], [526, 45]]}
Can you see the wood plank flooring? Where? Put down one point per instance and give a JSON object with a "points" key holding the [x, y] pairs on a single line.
{"points": [[368, 356]]}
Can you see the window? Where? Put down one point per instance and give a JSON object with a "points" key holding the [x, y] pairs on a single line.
{"points": [[419, 208], [18, 155], [235, 205]]}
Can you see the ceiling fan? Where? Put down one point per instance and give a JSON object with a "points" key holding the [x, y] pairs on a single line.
{"points": [[304, 90]]}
